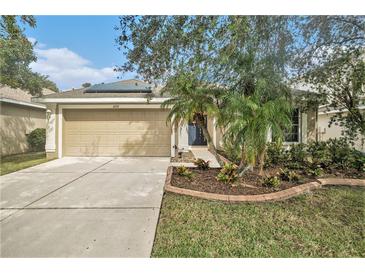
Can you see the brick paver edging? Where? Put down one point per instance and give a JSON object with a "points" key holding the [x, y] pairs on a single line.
{"points": [[275, 196]]}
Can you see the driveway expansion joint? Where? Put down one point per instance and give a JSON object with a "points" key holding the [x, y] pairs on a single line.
{"points": [[53, 191]]}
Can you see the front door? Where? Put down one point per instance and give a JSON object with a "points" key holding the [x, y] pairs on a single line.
{"points": [[196, 137]]}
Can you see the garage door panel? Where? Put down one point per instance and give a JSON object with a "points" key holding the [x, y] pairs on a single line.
{"points": [[113, 151], [113, 140], [114, 125], [116, 133]]}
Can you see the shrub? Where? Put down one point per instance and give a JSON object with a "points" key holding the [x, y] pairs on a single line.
{"points": [[272, 181], [275, 154], [319, 153], [201, 164], [293, 165], [184, 171], [37, 139], [289, 175], [228, 173], [358, 161], [341, 154], [314, 171], [298, 153]]}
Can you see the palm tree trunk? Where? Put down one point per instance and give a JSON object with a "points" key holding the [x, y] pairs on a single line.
{"points": [[243, 158], [200, 120], [243, 166], [262, 161]]}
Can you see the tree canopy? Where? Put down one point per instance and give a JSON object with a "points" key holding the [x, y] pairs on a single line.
{"points": [[224, 50], [237, 52], [331, 58], [16, 54]]}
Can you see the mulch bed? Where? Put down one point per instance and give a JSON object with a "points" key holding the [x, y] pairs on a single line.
{"points": [[348, 173], [249, 184]]}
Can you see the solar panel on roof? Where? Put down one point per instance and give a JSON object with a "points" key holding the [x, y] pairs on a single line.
{"points": [[120, 87]]}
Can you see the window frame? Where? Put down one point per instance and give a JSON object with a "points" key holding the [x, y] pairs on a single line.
{"points": [[299, 131]]}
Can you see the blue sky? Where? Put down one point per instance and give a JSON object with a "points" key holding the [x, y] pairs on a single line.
{"points": [[76, 49]]}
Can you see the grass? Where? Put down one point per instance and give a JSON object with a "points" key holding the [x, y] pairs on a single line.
{"points": [[16, 162], [329, 222]]}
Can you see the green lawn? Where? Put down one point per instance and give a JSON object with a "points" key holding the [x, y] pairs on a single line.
{"points": [[329, 222], [20, 161]]}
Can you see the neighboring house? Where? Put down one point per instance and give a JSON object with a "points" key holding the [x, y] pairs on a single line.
{"points": [[326, 132], [125, 119], [18, 117]]}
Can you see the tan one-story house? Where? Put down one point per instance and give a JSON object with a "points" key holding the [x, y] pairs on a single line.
{"points": [[18, 117], [125, 118], [327, 131]]}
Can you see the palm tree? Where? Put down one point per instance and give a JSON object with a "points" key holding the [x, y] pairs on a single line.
{"points": [[248, 121], [191, 100]]}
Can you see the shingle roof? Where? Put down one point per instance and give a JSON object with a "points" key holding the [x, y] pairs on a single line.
{"points": [[122, 86], [19, 94], [125, 88]]}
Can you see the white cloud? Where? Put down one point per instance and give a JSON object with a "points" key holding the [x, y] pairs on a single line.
{"points": [[67, 68], [36, 43]]}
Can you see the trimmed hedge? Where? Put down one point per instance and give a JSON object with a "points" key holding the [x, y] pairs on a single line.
{"points": [[37, 139]]}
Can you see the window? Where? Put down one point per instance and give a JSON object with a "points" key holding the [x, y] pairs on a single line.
{"points": [[293, 134]]}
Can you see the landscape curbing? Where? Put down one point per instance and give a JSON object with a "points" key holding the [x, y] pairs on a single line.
{"points": [[269, 197]]}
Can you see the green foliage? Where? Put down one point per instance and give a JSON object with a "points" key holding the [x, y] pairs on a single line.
{"points": [[49, 84], [220, 48], [273, 182], [359, 161], [298, 153], [16, 54], [184, 171], [228, 174], [325, 224], [289, 175], [199, 55], [190, 101], [202, 164], [340, 152], [316, 157], [319, 153], [251, 57], [247, 120], [231, 151], [37, 139], [314, 170], [331, 59], [276, 154]]}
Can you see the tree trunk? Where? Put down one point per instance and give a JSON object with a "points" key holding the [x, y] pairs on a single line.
{"points": [[243, 158], [243, 166], [262, 161], [200, 120]]}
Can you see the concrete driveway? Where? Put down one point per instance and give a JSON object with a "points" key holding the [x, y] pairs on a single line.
{"points": [[82, 207]]}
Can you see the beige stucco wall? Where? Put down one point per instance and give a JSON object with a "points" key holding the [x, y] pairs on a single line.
{"points": [[325, 132], [311, 127], [15, 122]]}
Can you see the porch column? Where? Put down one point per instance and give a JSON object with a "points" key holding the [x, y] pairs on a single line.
{"points": [[183, 137], [173, 124], [303, 127], [51, 131], [215, 132]]}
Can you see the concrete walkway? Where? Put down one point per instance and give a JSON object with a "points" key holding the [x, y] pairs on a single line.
{"points": [[82, 207], [203, 153]]}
